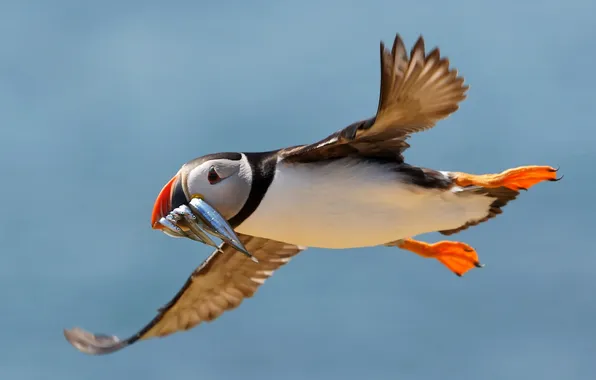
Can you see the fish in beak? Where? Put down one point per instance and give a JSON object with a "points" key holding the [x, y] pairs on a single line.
{"points": [[194, 220]]}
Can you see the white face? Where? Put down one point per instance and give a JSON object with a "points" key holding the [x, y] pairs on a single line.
{"points": [[224, 183]]}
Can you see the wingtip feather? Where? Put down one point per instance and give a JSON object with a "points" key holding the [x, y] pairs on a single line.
{"points": [[93, 344]]}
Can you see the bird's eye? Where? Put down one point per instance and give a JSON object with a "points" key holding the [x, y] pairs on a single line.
{"points": [[212, 176]]}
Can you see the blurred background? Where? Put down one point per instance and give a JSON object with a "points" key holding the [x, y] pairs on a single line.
{"points": [[101, 102]]}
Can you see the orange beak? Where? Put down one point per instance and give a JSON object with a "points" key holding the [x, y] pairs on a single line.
{"points": [[162, 204]]}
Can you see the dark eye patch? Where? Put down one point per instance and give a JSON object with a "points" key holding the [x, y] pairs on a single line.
{"points": [[212, 176]]}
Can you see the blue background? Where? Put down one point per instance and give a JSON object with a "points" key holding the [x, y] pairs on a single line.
{"points": [[101, 102]]}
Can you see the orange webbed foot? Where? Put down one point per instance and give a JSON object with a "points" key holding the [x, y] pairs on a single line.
{"points": [[521, 178], [458, 257]]}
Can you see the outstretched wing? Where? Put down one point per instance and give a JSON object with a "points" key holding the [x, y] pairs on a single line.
{"points": [[221, 283], [416, 92]]}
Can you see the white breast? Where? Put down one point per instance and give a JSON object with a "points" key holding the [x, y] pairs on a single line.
{"points": [[352, 203]]}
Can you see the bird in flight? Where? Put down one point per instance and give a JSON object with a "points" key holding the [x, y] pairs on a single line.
{"points": [[351, 189]]}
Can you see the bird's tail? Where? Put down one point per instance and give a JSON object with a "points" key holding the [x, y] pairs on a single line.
{"points": [[501, 196]]}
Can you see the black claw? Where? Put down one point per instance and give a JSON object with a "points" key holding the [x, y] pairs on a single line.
{"points": [[458, 274], [469, 249], [478, 265], [557, 179], [523, 188]]}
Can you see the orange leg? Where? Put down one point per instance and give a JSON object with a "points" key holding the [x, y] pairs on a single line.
{"points": [[521, 178], [458, 257]]}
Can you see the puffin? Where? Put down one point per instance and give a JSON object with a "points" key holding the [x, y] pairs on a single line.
{"points": [[351, 189]]}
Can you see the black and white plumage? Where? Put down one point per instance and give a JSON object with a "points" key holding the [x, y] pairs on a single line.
{"points": [[351, 189]]}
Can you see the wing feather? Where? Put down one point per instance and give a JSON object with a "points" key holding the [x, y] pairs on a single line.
{"points": [[415, 93], [219, 284]]}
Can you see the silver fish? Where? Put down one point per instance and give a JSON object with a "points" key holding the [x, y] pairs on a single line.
{"points": [[194, 224], [215, 224]]}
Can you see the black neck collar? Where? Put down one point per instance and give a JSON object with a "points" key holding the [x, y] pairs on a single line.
{"points": [[263, 166]]}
